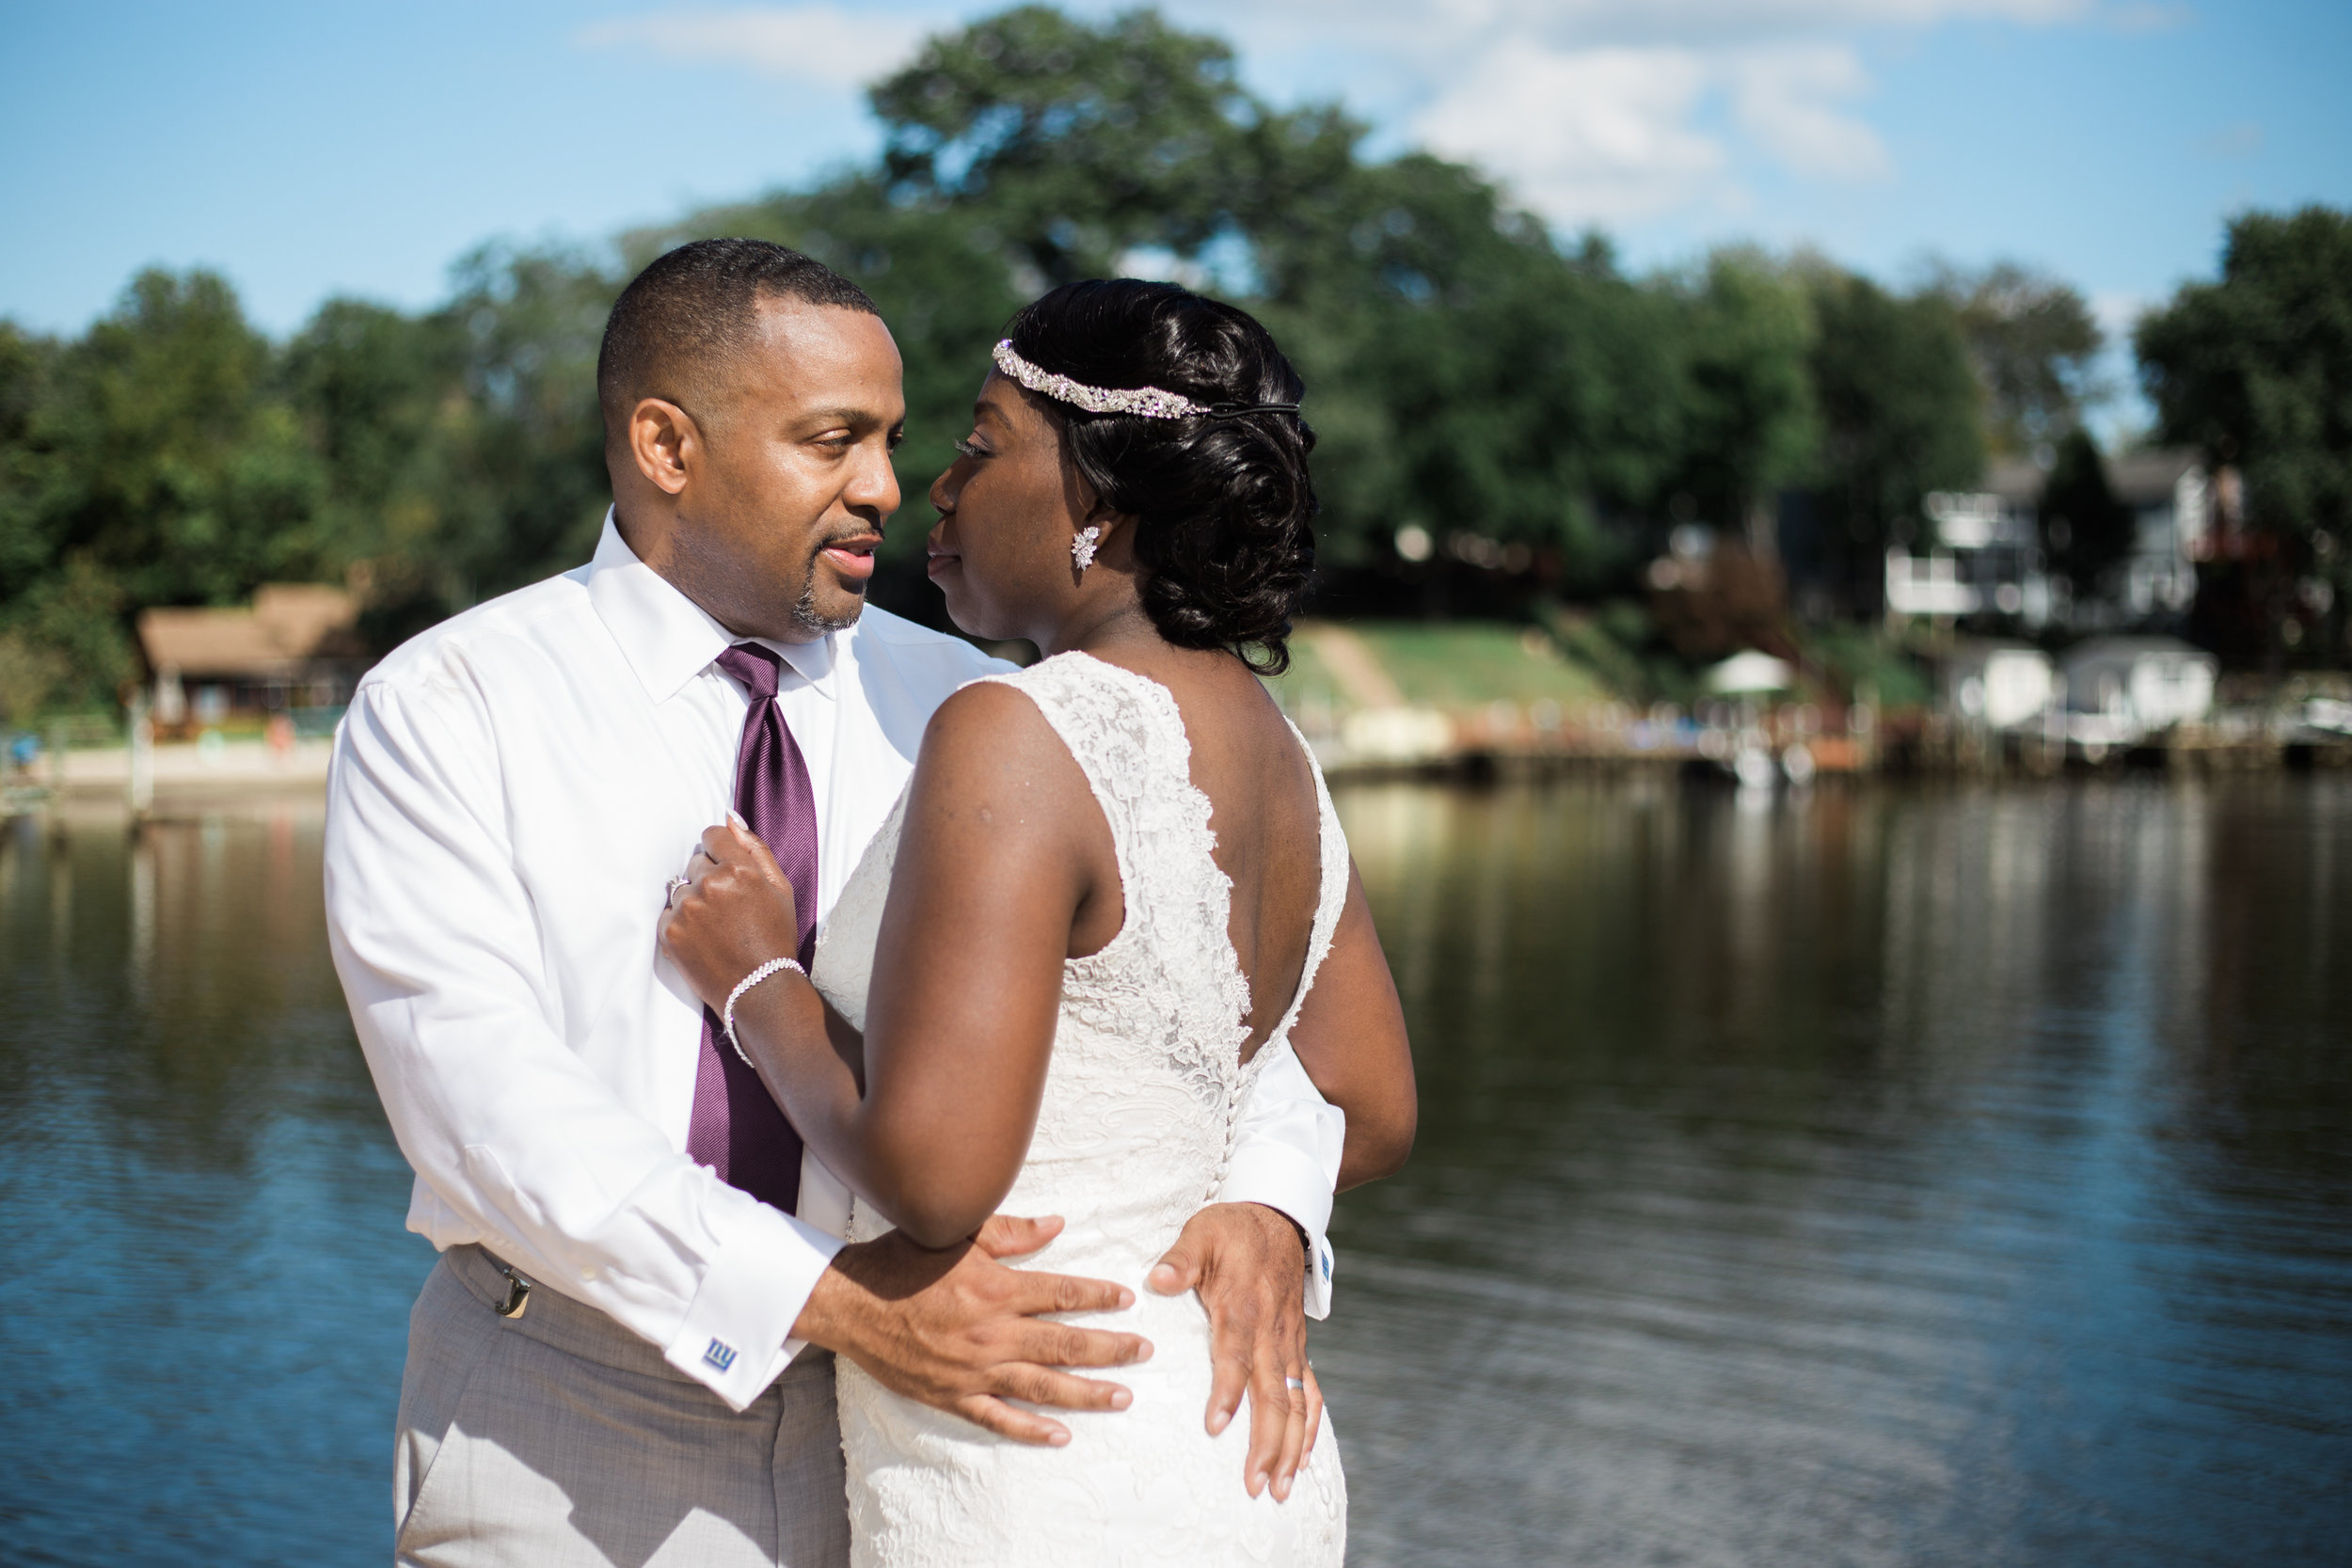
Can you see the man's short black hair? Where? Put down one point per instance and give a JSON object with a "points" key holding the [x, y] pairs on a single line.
{"points": [[691, 310]]}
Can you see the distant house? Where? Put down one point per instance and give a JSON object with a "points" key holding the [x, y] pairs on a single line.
{"points": [[1981, 562], [2170, 497], [2003, 686], [297, 646], [2127, 686]]}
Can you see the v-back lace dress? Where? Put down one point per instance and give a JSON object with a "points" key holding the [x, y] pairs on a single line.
{"points": [[1141, 1097]]}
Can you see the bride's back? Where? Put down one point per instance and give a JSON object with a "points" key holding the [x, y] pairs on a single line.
{"points": [[1134, 1128], [1265, 813]]}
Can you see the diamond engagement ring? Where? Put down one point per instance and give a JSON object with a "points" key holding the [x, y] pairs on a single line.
{"points": [[669, 892]]}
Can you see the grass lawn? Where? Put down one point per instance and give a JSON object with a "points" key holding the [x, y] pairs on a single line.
{"points": [[1307, 681], [1451, 664]]}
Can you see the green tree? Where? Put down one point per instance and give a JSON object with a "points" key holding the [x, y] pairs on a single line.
{"points": [[463, 449], [531, 322], [1899, 411], [31, 670], [1750, 427], [180, 473], [382, 396], [152, 462], [1466, 374], [2035, 346], [1083, 142], [2256, 368], [2087, 529], [27, 363]]}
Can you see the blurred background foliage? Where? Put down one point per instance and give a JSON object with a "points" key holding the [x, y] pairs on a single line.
{"points": [[1471, 375]]}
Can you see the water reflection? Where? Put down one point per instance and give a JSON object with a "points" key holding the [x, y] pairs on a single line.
{"points": [[205, 1308], [1881, 1178], [1876, 1178]]}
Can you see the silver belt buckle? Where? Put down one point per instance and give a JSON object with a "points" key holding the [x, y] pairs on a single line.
{"points": [[517, 1293]]}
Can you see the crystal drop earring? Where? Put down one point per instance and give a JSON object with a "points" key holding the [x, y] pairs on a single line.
{"points": [[1082, 548]]}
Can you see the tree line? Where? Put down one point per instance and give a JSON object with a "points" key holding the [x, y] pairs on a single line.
{"points": [[1471, 375]]}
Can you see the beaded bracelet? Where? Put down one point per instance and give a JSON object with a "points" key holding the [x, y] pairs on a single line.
{"points": [[754, 977]]}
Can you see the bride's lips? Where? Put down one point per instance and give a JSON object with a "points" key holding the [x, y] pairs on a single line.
{"points": [[852, 558], [939, 559]]}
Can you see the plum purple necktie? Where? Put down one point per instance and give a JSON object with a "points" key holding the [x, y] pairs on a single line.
{"points": [[736, 1128]]}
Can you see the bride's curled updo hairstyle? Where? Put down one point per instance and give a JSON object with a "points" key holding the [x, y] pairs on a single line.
{"points": [[1223, 505]]}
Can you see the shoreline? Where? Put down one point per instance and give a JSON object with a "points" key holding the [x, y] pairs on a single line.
{"points": [[179, 771], [96, 782]]}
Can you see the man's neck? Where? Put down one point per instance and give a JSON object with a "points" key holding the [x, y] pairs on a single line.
{"points": [[655, 550]]}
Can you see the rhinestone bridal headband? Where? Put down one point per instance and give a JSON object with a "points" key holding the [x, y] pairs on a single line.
{"points": [[1147, 402]]}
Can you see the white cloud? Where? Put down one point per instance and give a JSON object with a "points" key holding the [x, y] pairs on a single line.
{"points": [[1784, 98], [1594, 135], [1692, 23], [1617, 110], [819, 44], [1618, 134], [2148, 16], [1602, 111], [2118, 311]]}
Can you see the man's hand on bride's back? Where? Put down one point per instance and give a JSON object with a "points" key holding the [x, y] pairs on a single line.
{"points": [[1250, 1264], [955, 1329], [735, 911]]}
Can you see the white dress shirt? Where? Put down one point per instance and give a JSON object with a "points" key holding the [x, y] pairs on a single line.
{"points": [[509, 793]]}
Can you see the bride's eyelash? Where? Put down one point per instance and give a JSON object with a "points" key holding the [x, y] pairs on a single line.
{"points": [[971, 450]]}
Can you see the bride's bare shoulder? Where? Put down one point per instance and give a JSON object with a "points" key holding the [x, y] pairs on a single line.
{"points": [[991, 737], [1000, 802]]}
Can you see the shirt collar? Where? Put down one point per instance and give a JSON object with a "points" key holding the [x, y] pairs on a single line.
{"points": [[667, 637]]}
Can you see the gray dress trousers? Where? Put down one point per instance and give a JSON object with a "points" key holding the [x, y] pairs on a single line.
{"points": [[560, 1438]]}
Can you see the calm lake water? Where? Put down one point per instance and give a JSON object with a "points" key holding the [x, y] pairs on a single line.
{"points": [[1888, 1177]]}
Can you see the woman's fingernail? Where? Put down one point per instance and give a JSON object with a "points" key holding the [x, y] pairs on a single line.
{"points": [[1126, 1297], [1218, 1422], [737, 817], [1121, 1400], [1059, 1439], [1256, 1484]]}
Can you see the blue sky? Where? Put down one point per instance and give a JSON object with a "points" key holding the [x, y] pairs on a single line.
{"points": [[306, 149]]}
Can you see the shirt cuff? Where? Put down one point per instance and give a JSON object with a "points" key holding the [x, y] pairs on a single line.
{"points": [[737, 1336], [1293, 1183]]}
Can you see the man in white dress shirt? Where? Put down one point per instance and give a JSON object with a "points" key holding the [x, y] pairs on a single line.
{"points": [[620, 1358]]}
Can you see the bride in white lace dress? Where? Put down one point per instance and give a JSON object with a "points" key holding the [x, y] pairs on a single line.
{"points": [[1131, 1135], [1102, 907]]}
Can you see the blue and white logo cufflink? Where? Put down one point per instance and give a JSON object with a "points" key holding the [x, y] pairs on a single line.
{"points": [[720, 1354]]}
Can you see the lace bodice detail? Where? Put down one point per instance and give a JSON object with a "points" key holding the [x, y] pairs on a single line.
{"points": [[1142, 1096]]}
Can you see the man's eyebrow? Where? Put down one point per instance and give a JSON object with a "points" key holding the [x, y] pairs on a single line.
{"points": [[852, 417]]}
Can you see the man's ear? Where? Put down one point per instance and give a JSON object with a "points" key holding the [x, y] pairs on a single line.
{"points": [[665, 442]]}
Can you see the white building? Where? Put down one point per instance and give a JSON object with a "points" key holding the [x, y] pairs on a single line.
{"points": [[2003, 686], [2128, 686], [1982, 559], [2170, 498]]}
